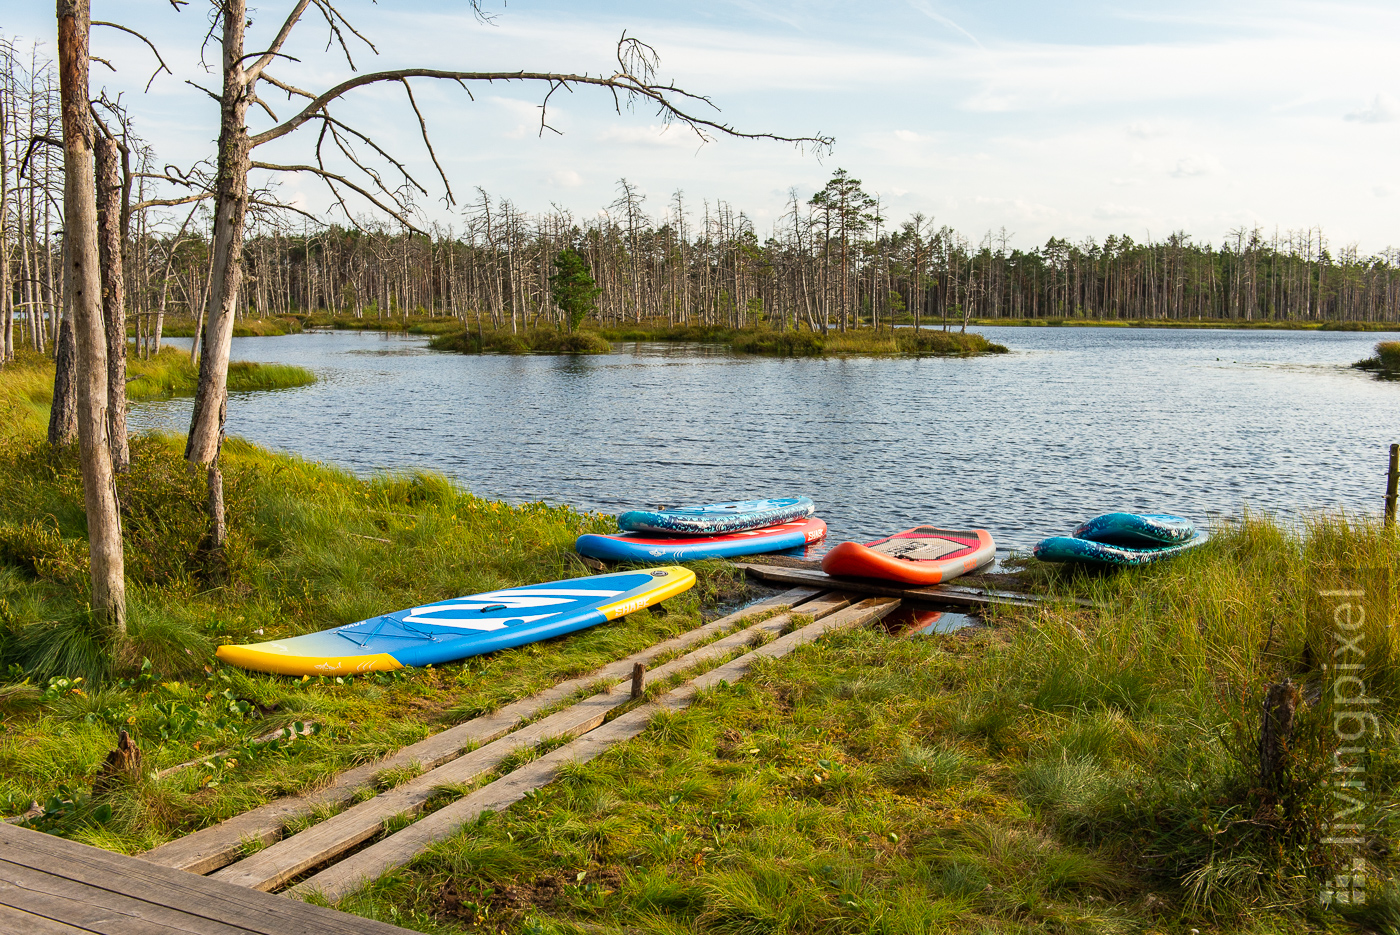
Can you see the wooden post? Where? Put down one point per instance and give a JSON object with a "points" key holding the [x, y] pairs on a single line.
{"points": [[1392, 481], [639, 671]]}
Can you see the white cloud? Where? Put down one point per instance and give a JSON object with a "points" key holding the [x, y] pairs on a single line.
{"points": [[1383, 109], [565, 178], [1117, 212]]}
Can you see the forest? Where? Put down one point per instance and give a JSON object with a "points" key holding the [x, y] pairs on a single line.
{"points": [[836, 259]]}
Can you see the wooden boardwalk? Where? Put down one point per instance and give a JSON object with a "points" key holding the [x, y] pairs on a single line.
{"points": [[470, 751], [53, 886]]}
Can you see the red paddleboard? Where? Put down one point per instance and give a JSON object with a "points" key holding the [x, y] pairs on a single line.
{"points": [[923, 555]]}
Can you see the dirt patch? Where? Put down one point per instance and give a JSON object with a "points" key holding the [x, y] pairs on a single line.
{"points": [[476, 902]]}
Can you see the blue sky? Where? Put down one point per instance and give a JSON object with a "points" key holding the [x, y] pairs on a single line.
{"points": [[1069, 119]]}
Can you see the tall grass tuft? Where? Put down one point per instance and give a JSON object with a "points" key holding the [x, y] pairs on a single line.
{"points": [[531, 341], [1386, 362]]}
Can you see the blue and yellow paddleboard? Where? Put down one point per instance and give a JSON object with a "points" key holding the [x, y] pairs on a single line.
{"points": [[464, 626]]}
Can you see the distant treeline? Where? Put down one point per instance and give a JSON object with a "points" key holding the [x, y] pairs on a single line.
{"points": [[712, 269]]}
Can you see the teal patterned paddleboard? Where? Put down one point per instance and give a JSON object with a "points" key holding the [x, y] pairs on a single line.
{"points": [[1070, 549]]}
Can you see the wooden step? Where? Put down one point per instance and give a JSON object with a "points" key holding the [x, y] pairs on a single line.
{"points": [[48, 882], [218, 845], [398, 849], [280, 862]]}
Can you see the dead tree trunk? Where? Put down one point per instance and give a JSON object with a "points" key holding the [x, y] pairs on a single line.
{"points": [[226, 273], [63, 414], [85, 286], [109, 246]]}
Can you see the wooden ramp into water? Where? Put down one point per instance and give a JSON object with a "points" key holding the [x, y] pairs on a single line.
{"points": [[959, 595], [53, 886]]}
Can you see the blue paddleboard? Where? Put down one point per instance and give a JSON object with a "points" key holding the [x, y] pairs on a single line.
{"points": [[454, 629]]}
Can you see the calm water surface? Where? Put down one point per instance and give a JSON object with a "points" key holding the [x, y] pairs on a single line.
{"points": [[1074, 422]]}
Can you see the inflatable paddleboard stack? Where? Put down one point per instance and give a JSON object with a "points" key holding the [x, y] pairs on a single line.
{"points": [[716, 530], [1123, 539]]}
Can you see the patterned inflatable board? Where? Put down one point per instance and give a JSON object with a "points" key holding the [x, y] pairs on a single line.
{"points": [[1138, 530], [464, 626], [1072, 549], [649, 547], [923, 555], [717, 518]]}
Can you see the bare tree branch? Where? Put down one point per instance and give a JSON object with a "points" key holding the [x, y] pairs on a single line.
{"points": [[154, 51], [33, 142], [290, 89], [170, 202], [252, 74], [660, 95], [331, 177], [423, 126]]}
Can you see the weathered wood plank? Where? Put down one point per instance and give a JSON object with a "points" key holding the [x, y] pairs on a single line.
{"points": [[96, 909], [257, 913], [937, 594], [27, 923], [401, 847], [218, 845], [288, 858]]}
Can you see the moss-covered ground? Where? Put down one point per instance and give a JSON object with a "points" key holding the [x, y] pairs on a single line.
{"points": [[1065, 769]]}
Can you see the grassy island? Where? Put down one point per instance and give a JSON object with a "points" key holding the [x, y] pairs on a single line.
{"points": [[760, 341], [1082, 766], [1386, 362], [530, 341]]}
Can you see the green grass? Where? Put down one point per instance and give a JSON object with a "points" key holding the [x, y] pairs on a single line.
{"points": [[171, 374], [532, 341], [1071, 770], [1386, 363], [775, 343], [242, 328]]}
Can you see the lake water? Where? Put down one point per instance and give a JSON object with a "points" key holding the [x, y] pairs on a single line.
{"points": [[1074, 422]]}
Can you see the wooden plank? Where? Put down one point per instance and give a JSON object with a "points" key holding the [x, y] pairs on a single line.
{"points": [[936, 594], [218, 845], [98, 910], [275, 865], [255, 912], [19, 921], [398, 849]]}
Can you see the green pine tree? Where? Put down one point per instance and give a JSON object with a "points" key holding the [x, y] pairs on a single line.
{"points": [[572, 286]]}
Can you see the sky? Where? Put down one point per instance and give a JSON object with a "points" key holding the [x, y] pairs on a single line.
{"points": [[1067, 119]]}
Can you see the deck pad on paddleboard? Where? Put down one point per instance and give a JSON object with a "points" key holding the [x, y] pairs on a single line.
{"points": [[717, 518], [1071, 549], [922, 555], [454, 629], [649, 547]]}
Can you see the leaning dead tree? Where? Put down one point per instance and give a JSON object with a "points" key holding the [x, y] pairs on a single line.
{"points": [[246, 74]]}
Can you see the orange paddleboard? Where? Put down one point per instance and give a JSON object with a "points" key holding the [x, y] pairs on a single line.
{"points": [[923, 555]]}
